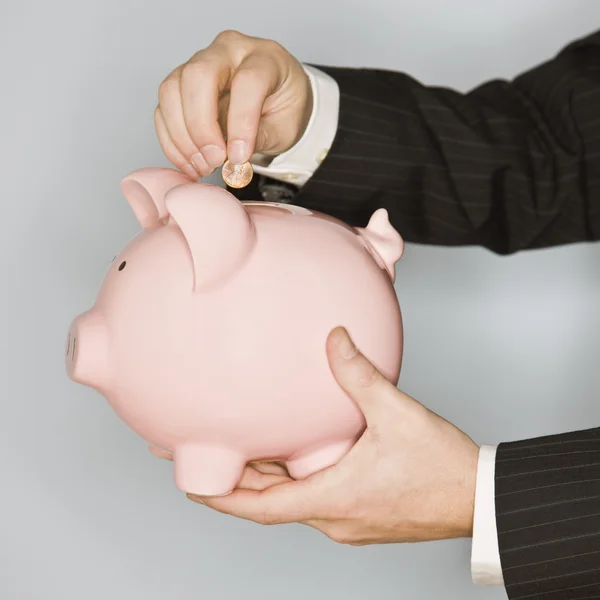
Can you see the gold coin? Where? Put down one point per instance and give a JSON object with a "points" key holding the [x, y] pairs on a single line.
{"points": [[237, 176]]}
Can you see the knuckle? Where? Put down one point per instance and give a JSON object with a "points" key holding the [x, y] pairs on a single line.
{"points": [[343, 539], [272, 47], [368, 375], [244, 124], [248, 76], [192, 69], [339, 536], [167, 87], [197, 69], [229, 36], [267, 518], [206, 57]]}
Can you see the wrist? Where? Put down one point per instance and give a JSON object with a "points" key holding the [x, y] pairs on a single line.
{"points": [[458, 510], [317, 110], [469, 482], [308, 110]]}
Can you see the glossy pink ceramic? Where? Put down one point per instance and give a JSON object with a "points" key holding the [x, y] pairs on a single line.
{"points": [[208, 333]]}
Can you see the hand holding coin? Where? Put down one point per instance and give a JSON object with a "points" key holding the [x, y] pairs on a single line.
{"points": [[239, 96], [237, 176]]}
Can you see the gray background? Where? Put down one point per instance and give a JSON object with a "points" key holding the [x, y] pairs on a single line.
{"points": [[504, 347]]}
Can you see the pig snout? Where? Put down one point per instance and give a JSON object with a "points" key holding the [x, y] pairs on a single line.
{"points": [[86, 353]]}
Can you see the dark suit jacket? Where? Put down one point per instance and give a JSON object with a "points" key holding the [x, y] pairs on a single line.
{"points": [[508, 166]]}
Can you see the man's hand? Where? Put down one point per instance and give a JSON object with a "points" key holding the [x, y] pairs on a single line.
{"points": [[239, 96], [410, 478]]}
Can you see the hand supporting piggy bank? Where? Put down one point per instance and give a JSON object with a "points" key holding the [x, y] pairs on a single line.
{"points": [[208, 333]]}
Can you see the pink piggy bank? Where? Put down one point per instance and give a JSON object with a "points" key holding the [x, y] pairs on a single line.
{"points": [[208, 333]]}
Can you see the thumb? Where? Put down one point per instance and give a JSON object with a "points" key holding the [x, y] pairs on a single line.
{"points": [[357, 376]]}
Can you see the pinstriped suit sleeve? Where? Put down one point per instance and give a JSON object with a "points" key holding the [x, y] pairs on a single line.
{"points": [[548, 516], [508, 166]]}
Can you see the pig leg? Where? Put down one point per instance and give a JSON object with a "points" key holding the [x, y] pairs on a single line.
{"points": [[207, 470], [303, 465]]}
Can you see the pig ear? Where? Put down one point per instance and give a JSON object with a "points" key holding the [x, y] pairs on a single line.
{"points": [[383, 241], [145, 191], [217, 228]]}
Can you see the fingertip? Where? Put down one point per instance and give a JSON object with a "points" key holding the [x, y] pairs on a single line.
{"points": [[351, 369], [340, 344], [336, 332], [170, 149], [159, 453], [195, 499], [190, 171], [238, 152], [213, 156]]}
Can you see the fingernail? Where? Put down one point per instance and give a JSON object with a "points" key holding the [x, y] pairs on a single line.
{"points": [[194, 499], [199, 162], [237, 152], [345, 345], [213, 155], [190, 171]]}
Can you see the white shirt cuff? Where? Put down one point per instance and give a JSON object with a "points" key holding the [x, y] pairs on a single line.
{"points": [[299, 163], [486, 568]]}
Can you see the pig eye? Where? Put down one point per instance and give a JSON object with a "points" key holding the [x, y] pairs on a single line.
{"points": [[122, 265]]}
